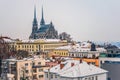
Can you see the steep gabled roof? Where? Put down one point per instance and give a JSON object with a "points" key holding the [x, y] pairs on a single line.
{"points": [[43, 28]]}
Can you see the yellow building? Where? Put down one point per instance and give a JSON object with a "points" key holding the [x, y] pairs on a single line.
{"points": [[27, 68], [62, 51], [43, 45], [59, 52]]}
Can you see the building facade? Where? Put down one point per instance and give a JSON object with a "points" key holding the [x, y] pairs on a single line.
{"points": [[33, 46], [78, 50], [27, 68], [111, 62], [38, 45], [45, 31], [75, 70]]}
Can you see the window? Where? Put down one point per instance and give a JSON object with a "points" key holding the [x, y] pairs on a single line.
{"points": [[26, 64], [66, 53], [34, 70], [109, 78], [34, 76], [47, 75], [33, 63], [92, 78], [111, 51], [26, 71], [96, 77], [40, 76], [40, 70], [39, 63], [55, 76], [27, 77], [51, 76], [85, 78], [89, 78], [100, 62]]}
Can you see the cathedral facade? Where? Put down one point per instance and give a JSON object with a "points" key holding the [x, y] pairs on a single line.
{"points": [[45, 31]]}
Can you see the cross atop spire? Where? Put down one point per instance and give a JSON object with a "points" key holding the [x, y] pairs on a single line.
{"points": [[42, 19]]}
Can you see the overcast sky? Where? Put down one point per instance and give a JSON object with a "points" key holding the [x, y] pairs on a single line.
{"points": [[96, 20]]}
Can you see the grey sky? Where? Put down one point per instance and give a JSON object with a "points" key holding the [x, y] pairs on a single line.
{"points": [[96, 20]]}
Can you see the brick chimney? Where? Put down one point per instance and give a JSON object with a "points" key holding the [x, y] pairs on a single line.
{"points": [[88, 63], [61, 65], [59, 61], [72, 64]]}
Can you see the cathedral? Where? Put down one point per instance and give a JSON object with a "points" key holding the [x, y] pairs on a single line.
{"points": [[45, 31]]}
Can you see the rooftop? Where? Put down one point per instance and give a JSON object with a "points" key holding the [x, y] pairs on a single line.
{"points": [[77, 70], [79, 48], [40, 40]]}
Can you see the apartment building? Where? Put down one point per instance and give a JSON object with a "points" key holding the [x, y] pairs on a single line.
{"points": [[27, 68]]}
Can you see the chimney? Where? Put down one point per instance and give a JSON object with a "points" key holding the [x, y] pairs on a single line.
{"points": [[88, 63], [80, 60], [61, 66], [59, 62], [72, 64], [53, 57]]}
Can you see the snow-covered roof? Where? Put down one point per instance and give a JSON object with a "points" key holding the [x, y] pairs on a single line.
{"points": [[25, 59], [85, 44], [79, 48], [8, 40], [78, 70], [28, 40], [52, 40], [101, 49], [42, 40]]}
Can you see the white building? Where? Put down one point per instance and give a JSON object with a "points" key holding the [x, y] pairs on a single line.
{"points": [[82, 50], [75, 70]]}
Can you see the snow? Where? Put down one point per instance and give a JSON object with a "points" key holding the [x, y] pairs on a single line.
{"points": [[78, 70], [8, 40], [79, 48], [44, 40]]}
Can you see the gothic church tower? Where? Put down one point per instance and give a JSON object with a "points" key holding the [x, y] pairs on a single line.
{"points": [[34, 25]]}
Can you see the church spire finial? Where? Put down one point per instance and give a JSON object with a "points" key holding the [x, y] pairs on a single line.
{"points": [[35, 18], [34, 12], [42, 19], [35, 23]]}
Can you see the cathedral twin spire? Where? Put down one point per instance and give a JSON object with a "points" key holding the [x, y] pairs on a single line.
{"points": [[35, 12], [42, 19], [35, 24], [44, 31], [42, 22]]}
